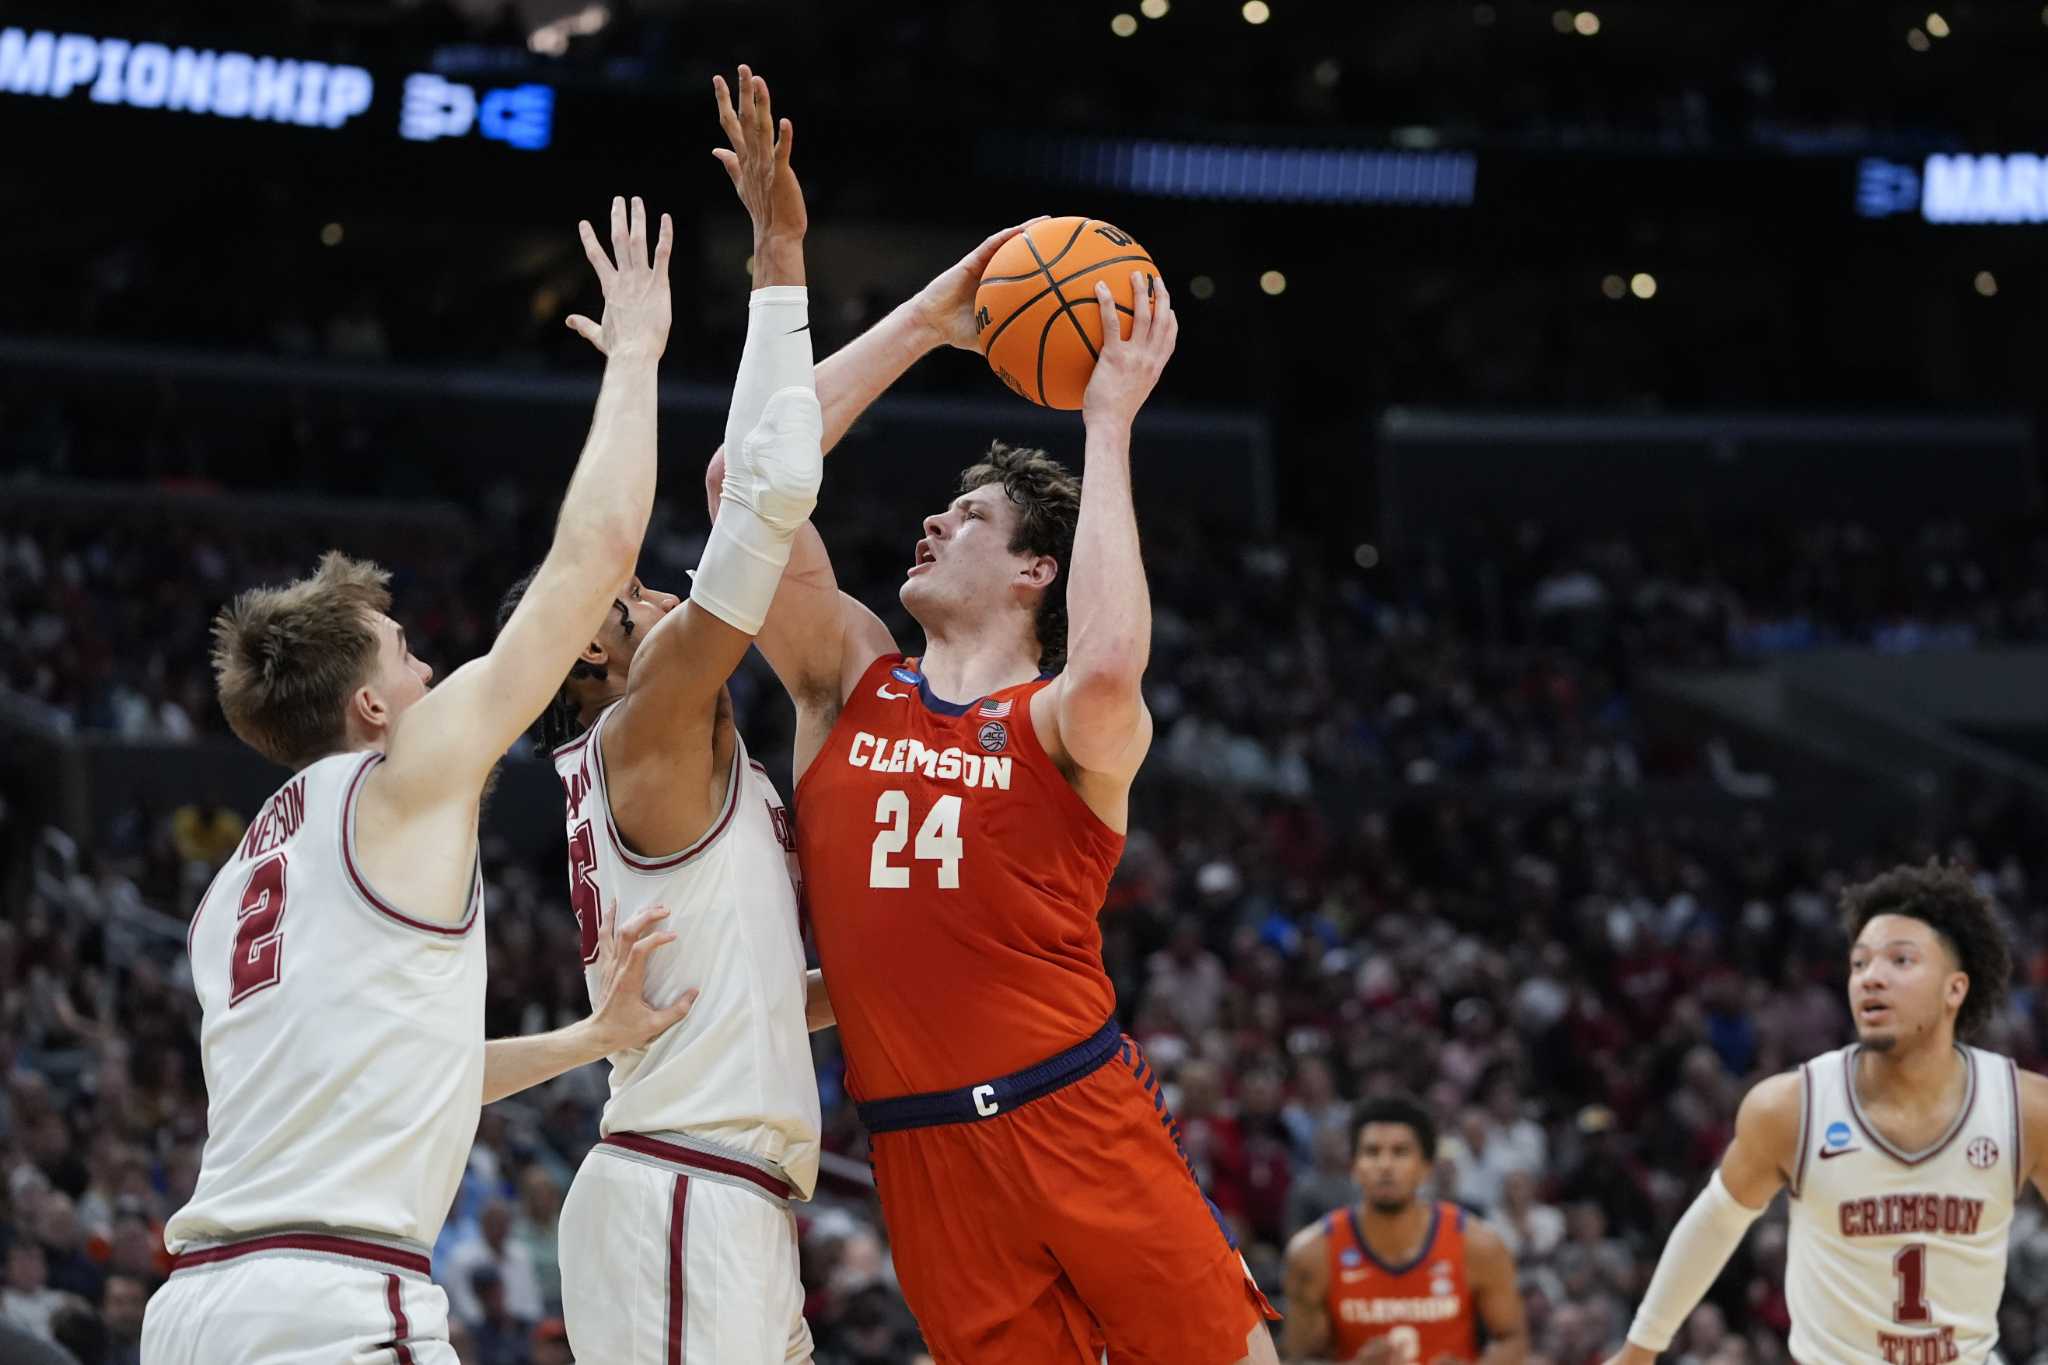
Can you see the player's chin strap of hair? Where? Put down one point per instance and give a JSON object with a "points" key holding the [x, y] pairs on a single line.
{"points": [[771, 485], [1700, 1245]]}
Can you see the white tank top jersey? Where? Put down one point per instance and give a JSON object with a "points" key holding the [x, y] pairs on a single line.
{"points": [[342, 1039], [1899, 1257], [737, 1072]]}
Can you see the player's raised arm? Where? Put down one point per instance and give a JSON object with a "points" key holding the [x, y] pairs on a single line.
{"points": [[817, 639], [1102, 723], [1496, 1297], [1757, 1164], [445, 744], [1305, 1335]]}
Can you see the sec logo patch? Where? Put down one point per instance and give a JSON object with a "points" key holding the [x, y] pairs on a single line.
{"points": [[1983, 1153], [994, 737]]}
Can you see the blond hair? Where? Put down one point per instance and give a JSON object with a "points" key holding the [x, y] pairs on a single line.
{"points": [[285, 660]]}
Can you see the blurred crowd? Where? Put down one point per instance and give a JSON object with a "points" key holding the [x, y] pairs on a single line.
{"points": [[1581, 987]]}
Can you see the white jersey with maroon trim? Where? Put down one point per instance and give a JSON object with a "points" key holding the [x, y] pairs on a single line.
{"points": [[1899, 1257], [737, 1072], [342, 1039]]}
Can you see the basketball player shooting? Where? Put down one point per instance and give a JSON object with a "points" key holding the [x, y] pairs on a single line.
{"points": [[678, 1241], [960, 813], [1397, 1280], [339, 955], [1903, 1152]]}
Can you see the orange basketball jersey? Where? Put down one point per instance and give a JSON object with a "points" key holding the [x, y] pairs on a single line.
{"points": [[1424, 1307], [953, 879]]}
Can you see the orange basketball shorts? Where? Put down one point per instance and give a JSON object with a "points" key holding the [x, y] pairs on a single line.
{"points": [[1046, 1232]]}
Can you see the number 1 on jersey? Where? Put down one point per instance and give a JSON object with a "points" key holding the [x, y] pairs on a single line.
{"points": [[938, 840], [1909, 1268]]}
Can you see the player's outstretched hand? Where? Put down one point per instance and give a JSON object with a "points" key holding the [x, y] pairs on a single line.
{"points": [[636, 304], [945, 307], [624, 1017], [758, 160], [1127, 369]]}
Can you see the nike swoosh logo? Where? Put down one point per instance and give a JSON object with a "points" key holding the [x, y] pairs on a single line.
{"points": [[886, 695], [794, 330], [1354, 1276], [1839, 1151]]}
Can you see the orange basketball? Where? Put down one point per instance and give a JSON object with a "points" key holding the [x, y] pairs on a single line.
{"points": [[1036, 313]]}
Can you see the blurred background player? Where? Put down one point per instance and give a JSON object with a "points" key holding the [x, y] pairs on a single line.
{"points": [[678, 1242], [1905, 1152], [961, 813], [339, 954], [1398, 1280]]}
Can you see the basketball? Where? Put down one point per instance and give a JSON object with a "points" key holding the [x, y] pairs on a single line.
{"points": [[1036, 313]]}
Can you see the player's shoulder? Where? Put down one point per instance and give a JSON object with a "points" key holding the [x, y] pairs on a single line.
{"points": [[1310, 1242], [1775, 1100]]}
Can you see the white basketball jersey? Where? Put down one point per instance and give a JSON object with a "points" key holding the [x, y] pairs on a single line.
{"points": [[737, 1072], [343, 1040], [1899, 1257]]}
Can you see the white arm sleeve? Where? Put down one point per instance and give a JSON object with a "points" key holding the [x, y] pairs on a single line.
{"points": [[777, 356], [1700, 1245], [771, 484]]}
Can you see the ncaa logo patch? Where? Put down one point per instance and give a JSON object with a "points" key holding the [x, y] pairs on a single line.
{"points": [[904, 675], [994, 737], [1838, 1135], [1983, 1153], [1351, 1257]]}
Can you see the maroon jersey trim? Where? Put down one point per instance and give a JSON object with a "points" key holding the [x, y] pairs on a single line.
{"points": [[1877, 1140], [669, 861], [362, 884]]}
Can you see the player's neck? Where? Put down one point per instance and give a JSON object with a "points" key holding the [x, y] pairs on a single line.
{"points": [[962, 665], [1926, 1073], [1395, 1237]]}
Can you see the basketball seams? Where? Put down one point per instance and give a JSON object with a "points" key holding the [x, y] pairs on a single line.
{"points": [[1058, 256], [1053, 291]]}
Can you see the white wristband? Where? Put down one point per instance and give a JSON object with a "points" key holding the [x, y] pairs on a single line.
{"points": [[1699, 1247], [777, 355]]}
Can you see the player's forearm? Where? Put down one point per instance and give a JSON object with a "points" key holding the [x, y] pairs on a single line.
{"points": [[611, 494], [1109, 606], [817, 1004], [855, 375], [515, 1064]]}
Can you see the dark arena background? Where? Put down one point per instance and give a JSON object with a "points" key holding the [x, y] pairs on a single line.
{"points": [[1595, 513]]}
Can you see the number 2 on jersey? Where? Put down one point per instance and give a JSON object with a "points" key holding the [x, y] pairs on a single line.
{"points": [[258, 960], [938, 841]]}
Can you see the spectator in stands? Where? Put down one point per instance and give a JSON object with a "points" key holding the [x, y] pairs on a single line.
{"points": [[28, 1301], [1327, 1186], [537, 1230], [501, 1337], [510, 1261], [122, 1310]]}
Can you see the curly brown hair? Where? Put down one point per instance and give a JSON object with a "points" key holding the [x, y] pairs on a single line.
{"points": [[1962, 917], [1048, 501], [285, 660]]}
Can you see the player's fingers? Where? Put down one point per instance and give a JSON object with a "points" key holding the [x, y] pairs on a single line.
{"points": [[746, 102], [764, 117], [728, 116], [783, 144], [676, 1013], [1141, 307], [642, 924], [1162, 304], [1112, 331], [622, 244], [638, 233], [662, 246], [593, 252], [588, 330], [731, 162]]}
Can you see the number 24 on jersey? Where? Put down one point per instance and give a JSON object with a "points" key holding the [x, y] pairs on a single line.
{"points": [[938, 841]]}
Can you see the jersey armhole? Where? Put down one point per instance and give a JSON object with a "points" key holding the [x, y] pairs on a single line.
{"points": [[1027, 736], [891, 659], [2019, 1131], [1798, 1181], [367, 895], [668, 862]]}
